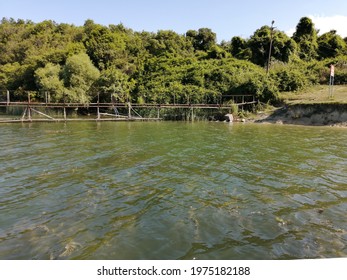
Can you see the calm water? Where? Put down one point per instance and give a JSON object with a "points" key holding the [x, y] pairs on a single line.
{"points": [[172, 191]]}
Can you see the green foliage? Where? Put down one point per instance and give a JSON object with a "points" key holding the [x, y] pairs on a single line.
{"points": [[168, 43], [217, 52], [306, 38], [103, 46], [282, 46], [289, 79], [340, 63], [79, 63], [11, 75], [203, 39], [114, 81], [238, 47], [304, 29], [331, 45], [79, 74], [234, 109], [48, 79]]}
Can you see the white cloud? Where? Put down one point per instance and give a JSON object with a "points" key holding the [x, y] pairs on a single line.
{"points": [[326, 23], [290, 32]]}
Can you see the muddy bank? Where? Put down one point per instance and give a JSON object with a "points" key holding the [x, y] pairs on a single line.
{"points": [[308, 114]]}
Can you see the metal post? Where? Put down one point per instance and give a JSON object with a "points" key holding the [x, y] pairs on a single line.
{"points": [[331, 86], [8, 97], [129, 110], [64, 109], [98, 110], [29, 110], [269, 58]]}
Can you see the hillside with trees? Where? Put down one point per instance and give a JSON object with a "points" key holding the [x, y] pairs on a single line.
{"points": [[75, 63]]}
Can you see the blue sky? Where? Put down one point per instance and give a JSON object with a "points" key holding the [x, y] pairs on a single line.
{"points": [[227, 18]]}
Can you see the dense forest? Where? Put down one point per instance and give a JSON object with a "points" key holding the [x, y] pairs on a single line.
{"points": [[75, 63]]}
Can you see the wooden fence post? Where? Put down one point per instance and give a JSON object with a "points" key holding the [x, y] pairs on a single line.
{"points": [[64, 107], [8, 97], [98, 109], [29, 109]]}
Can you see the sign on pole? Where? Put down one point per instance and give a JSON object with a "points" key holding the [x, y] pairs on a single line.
{"points": [[332, 70], [331, 82]]}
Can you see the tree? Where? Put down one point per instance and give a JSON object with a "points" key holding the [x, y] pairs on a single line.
{"points": [[306, 38], [79, 74], [114, 81], [48, 79], [148, 67], [238, 46], [11, 75], [282, 47], [331, 44], [14, 40], [103, 46], [203, 39], [168, 43]]}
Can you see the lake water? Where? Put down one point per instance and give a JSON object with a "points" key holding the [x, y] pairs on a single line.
{"points": [[167, 190]]}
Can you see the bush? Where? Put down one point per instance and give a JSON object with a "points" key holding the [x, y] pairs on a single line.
{"points": [[290, 79]]}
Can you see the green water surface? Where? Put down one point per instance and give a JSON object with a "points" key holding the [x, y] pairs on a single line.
{"points": [[167, 190]]}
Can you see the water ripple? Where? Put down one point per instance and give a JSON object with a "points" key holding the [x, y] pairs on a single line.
{"points": [[172, 191]]}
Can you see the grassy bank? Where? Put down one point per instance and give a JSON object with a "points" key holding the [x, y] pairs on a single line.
{"points": [[316, 94], [312, 106]]}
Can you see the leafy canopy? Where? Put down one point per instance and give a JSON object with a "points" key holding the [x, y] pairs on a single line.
{"points": [[78, 63]]}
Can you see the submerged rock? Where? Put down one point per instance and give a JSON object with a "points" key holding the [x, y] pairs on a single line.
{"points": [[229, 117], [70, 248]]}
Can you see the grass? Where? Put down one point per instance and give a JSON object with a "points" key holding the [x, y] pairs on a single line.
{"points": [[316, 94]]}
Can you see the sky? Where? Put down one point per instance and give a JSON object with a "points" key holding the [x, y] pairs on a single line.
{"points": [[227, 18]]}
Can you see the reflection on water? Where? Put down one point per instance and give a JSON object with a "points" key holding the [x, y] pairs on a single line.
{"points": [[172, 191]]}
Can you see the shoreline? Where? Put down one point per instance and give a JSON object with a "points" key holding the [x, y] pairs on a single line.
{"points": [[315, 114], [332, 114]]}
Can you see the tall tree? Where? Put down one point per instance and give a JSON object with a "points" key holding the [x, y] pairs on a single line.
{"points": [[103, 46], [113, 81], [259, 44], [331, 44], [238, 46], [203, 39], [79, 74], [306, 38], [168, 43], [48, 79]]}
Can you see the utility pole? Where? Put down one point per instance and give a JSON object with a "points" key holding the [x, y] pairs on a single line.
{"points": [[270, 49]]}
